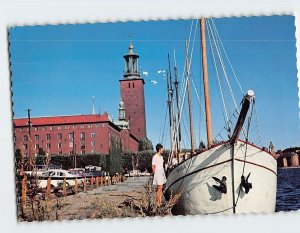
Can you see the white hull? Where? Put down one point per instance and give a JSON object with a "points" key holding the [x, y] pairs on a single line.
{"points": [[193, 180]]}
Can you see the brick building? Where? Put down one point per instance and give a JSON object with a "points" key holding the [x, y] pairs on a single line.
{"points": [[132, 93], [88, 134]]}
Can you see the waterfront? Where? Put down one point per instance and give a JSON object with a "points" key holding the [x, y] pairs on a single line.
{"points": [[288, 189]]}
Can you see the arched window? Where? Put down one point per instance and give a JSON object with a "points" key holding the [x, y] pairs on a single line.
{"points": [[133, 85], [128, 85]]}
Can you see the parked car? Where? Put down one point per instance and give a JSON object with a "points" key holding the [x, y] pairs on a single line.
{"points": [[93, 168], [145, 173], [135, 173], [57, 178]]}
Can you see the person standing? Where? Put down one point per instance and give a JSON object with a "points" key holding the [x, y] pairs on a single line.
{"points": [[159, 178]]}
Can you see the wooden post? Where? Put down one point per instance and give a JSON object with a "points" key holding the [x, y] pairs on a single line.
{"points": [[206, 85], [84, 185], [24, 190], [76, 186], [48, 187], [97, 182], [65, 187], [92, 183]]}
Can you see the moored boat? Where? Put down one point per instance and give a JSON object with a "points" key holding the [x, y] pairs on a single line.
{"points": [[232, 176]]}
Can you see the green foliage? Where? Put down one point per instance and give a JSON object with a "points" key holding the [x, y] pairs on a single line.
{"points": [[41, 151], [145, 144], [67, 161], [141, 160], [113, 162], [18, 155]]}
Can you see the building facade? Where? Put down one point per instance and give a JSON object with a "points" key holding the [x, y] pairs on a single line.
{"points": [[64, 135], [94, 133]]}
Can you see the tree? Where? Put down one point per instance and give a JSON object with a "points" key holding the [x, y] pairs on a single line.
{"points": [[145, 144], [41, 151], [18, 155], [113, 163]]}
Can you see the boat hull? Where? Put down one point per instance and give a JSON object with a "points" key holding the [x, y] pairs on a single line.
{"points": [[193, 180]]}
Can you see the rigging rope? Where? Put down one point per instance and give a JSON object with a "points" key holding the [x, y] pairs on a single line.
{"points": [[233, 71], [225, 113], [256, 120], [216, 42], [246, 142], [162, 135], [222, 65], [185, 85], [191, 159]]}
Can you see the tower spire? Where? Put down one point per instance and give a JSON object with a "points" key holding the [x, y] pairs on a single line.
{"points": [[131, 69], [93, 111], [131, 44]]}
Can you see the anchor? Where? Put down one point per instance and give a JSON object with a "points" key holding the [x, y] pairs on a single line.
{"points": [[245, 183], [222, 184]]}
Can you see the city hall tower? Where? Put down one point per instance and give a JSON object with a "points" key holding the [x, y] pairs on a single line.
{"points": [[132, 94]]}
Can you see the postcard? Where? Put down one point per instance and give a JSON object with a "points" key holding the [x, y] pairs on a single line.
{"points": [[155, 118]]}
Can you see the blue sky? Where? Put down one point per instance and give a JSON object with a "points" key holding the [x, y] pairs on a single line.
{"points": [[57, 69]]}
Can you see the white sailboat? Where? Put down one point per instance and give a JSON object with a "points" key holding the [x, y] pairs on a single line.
{"points": [[231, 176]]}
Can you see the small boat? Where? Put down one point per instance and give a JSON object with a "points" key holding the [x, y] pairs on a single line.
{"points": [[229, 176]]}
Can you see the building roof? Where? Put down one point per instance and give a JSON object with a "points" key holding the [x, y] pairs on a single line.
{"points": [[61, 120]]}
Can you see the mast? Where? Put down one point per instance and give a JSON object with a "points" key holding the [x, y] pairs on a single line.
{"points": [[176, 83], [170, 111], [206, 84], [189, 99], [172, 107]]}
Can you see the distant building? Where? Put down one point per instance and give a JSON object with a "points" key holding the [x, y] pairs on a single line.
{"points": [[93, 133], [288, 158]]}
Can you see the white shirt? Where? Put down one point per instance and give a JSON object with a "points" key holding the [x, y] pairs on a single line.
{"points": [[158, 162]]}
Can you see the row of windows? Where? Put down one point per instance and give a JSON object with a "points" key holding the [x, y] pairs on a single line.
{"points": [[89, 126], [71, 152], [59, 136], [59, 145]]}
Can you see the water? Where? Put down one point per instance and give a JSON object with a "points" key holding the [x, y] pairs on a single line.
{"points": [[288, 189]]}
